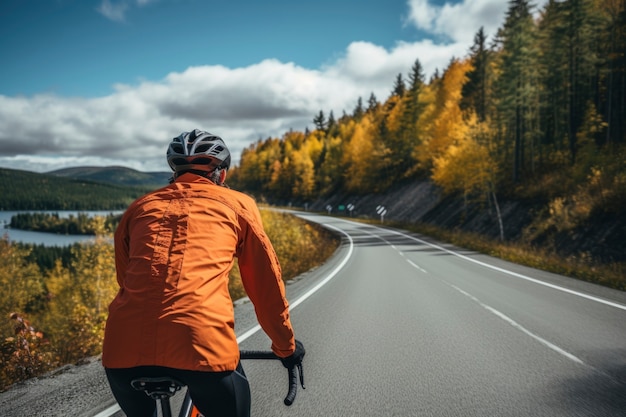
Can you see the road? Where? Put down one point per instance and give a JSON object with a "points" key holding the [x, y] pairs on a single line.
{"points": [[398, 325]]}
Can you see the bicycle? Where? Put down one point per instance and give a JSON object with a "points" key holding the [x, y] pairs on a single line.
{"points": [[161, 389]]}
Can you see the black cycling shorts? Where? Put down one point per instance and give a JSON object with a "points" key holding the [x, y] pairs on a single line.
{"points": [[223, 394]]}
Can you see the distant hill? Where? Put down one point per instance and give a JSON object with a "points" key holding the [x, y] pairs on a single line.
{"points": [[25, 190], [116, 175]]}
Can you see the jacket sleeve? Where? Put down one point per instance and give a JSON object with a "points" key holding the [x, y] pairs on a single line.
{"points": [[262, 280]]}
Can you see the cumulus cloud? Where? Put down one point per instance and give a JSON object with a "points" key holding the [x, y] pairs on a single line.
{"points": [[136, 122], [460, 21]]}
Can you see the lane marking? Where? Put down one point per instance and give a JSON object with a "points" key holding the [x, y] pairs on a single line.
{"points": [[512, 322], [505, 271], [109, 411], [313, 290], [416, 266], [115, 408], [518, 326]]}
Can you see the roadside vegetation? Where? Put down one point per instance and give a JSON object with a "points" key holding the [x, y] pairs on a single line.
{"points": [[612, 275], [55, 300]]}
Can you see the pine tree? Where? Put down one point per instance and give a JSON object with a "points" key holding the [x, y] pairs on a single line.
{"points": [[517, 85], [372, 103], [475, 90], [358, 110], [320, 121], [399, 88]]}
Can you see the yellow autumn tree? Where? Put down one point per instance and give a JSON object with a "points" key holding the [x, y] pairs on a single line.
{"points": [[23, 352], [314, 146], [468, 166], [426, 119], [328, 175], [357, 152], [448, 126], [303, 186], [21, 283], [80, 296]]}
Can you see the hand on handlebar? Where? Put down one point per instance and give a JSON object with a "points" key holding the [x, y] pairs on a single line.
{"points": [[295, 358]]}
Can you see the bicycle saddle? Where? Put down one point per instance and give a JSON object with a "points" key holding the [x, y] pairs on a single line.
{"points": [[157, 388]]}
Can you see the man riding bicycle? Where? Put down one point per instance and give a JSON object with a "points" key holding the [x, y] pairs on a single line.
{"points": [[173, 315]]}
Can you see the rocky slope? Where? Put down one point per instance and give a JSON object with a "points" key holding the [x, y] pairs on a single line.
{"points": [[602, 237]]}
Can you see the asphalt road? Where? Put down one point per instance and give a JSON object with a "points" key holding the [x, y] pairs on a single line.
{"points": [[398, 325]]}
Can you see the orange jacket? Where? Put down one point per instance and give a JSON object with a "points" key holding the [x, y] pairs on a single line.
{"points": [[174, 249]]}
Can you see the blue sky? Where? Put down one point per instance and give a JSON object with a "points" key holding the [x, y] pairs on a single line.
{"points": [[110, 82]]}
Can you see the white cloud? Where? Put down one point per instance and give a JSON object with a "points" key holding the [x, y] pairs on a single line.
{"points": [[113, 11], [460, 21], [134, 124]]}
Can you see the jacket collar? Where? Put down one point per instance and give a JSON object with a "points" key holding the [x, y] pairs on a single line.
{"points": [[190, 177]]}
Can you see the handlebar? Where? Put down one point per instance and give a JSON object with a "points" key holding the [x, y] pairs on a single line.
{"points": [[292, 372]]}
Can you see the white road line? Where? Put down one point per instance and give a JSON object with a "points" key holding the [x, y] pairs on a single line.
{"points": [[515, 274], [109, 411], [518, 326], [114, 409], [416, 266], [511, 321], [313, 290]]}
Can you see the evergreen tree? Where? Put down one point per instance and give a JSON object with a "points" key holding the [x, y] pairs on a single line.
{"points": [[331, 124], [408, 137], [554, 79], [372, 103], [358, 112], [612, 84], [320, 121], [475, 90], [399, 88], [582, 60], [517, 84]]}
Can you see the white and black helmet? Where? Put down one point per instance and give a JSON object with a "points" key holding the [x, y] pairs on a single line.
{"points": [[198, 150]]}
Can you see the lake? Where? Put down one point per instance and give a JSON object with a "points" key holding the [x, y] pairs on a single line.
{"points": [[47, 239]]}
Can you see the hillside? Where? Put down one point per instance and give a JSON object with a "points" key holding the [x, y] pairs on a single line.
{"points": [[25, 190], [600, 237], [116, 175]]}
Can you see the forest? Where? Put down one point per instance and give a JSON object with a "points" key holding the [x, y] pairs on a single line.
{"points": [[81, 224], [536, 113], [24, 190]]}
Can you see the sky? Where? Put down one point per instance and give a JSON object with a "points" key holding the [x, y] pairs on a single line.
{"points": [[111, 82]]}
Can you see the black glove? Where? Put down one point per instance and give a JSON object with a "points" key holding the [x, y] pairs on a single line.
{"points": [[296, 357]]}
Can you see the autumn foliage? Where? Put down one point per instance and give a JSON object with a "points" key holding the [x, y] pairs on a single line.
{"points": [[57, 317]]}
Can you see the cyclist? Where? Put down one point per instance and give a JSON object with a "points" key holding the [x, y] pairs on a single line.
{"points": [[173, 315]]}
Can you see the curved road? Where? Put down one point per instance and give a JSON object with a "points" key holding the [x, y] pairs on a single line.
{"points": [[398, 325]]}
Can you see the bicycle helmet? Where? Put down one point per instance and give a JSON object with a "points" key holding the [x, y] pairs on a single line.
{"points": [[198, 150]]}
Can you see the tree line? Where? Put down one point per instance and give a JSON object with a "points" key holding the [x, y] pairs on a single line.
{"points": [[81, 224], [537, 112], [23, 190]]}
